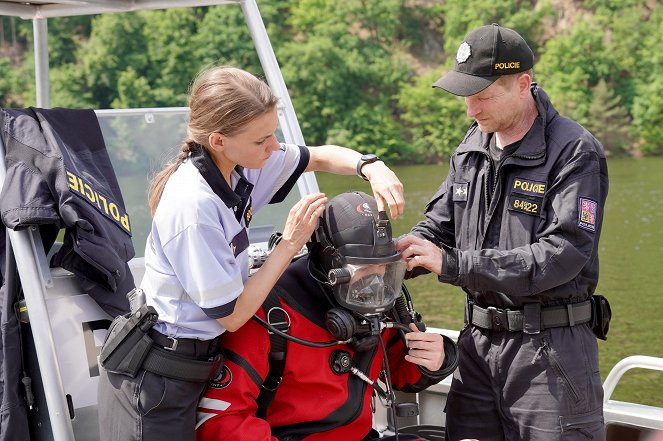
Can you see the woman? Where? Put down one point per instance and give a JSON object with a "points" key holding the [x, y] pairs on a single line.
{"points": [[196, 262]]}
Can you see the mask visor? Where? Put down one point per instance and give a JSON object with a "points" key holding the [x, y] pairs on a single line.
{"points": [[372, 288]]}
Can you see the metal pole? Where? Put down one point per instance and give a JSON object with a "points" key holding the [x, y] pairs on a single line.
{"points": [[25, 244], [287, 117], [40, 34]]}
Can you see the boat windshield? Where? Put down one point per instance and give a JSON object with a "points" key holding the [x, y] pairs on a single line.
{"points": [[140, 142]]}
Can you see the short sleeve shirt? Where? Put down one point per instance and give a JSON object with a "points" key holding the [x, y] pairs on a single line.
{"points": [[196, 256]]}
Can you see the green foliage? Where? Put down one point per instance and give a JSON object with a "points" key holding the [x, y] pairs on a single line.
{"points": [[571, 65], [648, 96], [117, 42], [223, 38], [170, 69], [610, 121], [435, 120], [462, 16], [65, 35], [359, 71], [68, 89], [648, 115]]}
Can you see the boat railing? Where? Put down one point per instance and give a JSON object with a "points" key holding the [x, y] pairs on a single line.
{"points": [[620, 413]]}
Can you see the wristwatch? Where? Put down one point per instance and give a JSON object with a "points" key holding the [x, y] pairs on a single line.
{"points": [[365, 159]]}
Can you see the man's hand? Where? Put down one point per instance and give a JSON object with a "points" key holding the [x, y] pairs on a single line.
{"points": [[425, 349], [420, 252]]}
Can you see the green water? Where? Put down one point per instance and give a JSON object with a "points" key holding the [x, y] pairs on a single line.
{"points": [[631, 253]]}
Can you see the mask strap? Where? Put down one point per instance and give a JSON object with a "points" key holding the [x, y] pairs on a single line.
{"points": [[381, 230]]}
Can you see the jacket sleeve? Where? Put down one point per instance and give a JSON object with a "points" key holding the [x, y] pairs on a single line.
{"points": [[562, 249], [438, 227], [228, 407], [411, 378]]}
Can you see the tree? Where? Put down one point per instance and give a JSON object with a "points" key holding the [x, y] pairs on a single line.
{"points": [[117, 41], [610, 120], [435, 120], [571, 64]]}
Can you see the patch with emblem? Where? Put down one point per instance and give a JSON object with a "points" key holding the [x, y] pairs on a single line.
{"points": [[460, 191], [222, 379], [248, 214], [525, 205], [587, 211], [528, 187], [464, 52]]}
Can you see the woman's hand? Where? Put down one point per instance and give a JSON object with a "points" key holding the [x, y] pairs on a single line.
{"points": [[387, 188], [425, 348], [302, 220]]}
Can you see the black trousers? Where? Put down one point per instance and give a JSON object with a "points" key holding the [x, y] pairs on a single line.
{"points": [[512, 386], [148, 407], [151, 407]]}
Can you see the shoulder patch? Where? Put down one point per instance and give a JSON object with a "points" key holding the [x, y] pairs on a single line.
{"points": [[460, 191], [587, 211]]}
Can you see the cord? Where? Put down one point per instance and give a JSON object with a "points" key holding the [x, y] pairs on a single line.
{"points": [[390, 391], [313, 344]]}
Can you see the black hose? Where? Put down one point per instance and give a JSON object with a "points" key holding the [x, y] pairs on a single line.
{"points": [[313, 344]]}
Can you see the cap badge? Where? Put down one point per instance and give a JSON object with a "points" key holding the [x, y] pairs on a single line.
{"points": [[464, 52]]}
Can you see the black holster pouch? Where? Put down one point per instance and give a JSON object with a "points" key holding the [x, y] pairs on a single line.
{"points": [[127, 342], [601, 315]]}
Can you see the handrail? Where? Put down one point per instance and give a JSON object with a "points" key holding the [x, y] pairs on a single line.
{"points": [[626, 364]]}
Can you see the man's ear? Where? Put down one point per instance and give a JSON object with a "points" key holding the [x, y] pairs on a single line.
{"points": [[524, 83], [217, 141]]}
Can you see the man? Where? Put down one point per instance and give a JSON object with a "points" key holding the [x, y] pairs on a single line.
{"points": [[516, 224], [347, 289]]}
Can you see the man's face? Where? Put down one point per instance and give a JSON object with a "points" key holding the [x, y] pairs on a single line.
{"points": [[496, 108]]}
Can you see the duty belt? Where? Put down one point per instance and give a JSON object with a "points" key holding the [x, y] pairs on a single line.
{"points": [[514, 320], [173, 358]]}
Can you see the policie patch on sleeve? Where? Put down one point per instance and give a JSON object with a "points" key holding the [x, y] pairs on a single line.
{"points": [[587, 210]]}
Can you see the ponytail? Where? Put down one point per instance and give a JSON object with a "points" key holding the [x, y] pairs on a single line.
{"points": [[159, 181]]}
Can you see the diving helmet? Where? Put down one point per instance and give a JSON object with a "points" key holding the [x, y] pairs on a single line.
{"points": [[367, 271]]}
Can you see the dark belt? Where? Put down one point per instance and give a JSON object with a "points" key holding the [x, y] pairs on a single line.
{"points": [[184, 359], [514, 320], [190, 347]]}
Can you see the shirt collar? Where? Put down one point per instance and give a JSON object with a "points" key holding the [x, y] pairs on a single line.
{"points": [[210, 172]]}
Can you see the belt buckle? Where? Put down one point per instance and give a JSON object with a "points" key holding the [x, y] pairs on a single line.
{"points": [[218, 362], [498, 319], [173, 346]]}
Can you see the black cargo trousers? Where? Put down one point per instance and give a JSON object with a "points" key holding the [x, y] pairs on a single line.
{"points": [[150, 406], [511, 386]]}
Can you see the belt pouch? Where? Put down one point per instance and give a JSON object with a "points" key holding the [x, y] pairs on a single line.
{"points": [[127, 343], [601, 315]]}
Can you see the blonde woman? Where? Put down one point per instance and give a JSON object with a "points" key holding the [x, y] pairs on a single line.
{"points": [[196, 263]]}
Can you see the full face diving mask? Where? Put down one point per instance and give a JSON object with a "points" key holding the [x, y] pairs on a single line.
{"points": [[370, 273], [368, 288]]}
